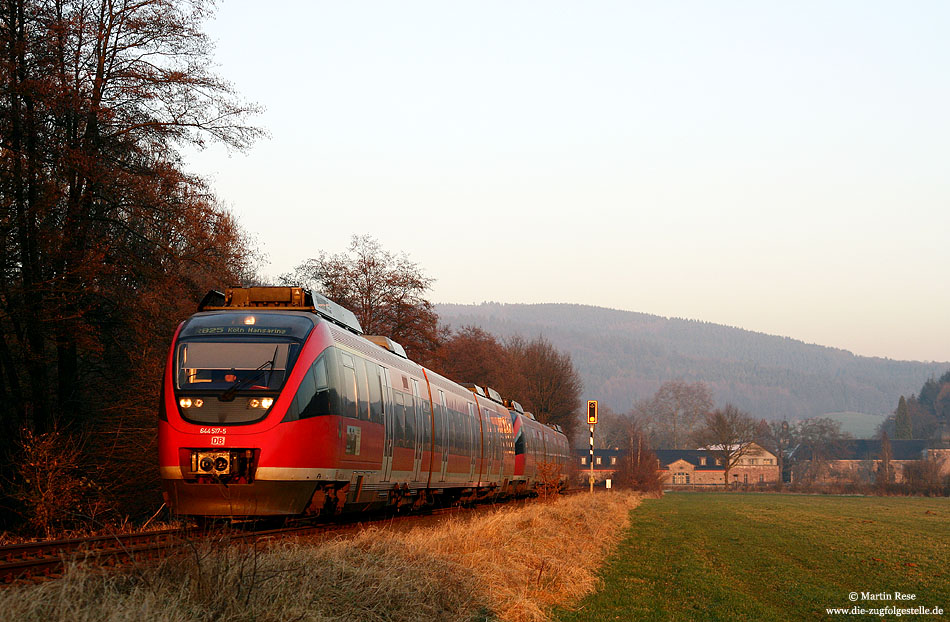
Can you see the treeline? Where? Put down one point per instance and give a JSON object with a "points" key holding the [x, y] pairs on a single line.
{"points": [[106, 240], [924, 415]]}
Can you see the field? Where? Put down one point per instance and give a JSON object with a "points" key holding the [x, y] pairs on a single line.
{"points": [[707, 556]]}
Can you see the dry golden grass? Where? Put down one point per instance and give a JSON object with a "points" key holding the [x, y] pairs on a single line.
{"points": [[510, 564], [528, 559]]}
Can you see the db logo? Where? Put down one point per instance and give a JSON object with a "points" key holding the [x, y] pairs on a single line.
{"points": [[217, 440]]}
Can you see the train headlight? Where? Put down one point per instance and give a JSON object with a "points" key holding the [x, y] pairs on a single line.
{"points": [[253, 403], [267, 402], [206, 464], [199, 403], [185, 402], [220, 464]]}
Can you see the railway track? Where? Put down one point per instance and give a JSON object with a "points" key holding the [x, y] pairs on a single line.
{"points": [[46, 559], [38, 561]]}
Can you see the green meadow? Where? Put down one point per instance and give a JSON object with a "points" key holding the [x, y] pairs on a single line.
{"points": [[716, 556]]}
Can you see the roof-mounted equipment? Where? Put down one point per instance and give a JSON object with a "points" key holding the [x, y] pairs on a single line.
{"points": [[494, 395], [280, 299], [474, 388], [387, 343], [513, 405]]}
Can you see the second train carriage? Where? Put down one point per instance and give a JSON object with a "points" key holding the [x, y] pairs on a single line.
{"points": [[274, 403]]}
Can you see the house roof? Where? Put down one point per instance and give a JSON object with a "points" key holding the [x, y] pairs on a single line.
{"points": [[598, 452], [867, 449], [692, 456]]}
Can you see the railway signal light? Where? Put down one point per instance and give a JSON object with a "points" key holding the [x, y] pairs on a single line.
{"points": [[591, 412]]}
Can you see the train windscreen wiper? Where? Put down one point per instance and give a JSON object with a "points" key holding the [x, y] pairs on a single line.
{"points": [[266, 366]]}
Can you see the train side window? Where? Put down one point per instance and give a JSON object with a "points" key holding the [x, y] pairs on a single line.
{"points": [[303, 397], [350, 399], [399, 419], [467, 430], [411, 418], [363, 401], [452, 429], [476, 428], [319, 371], [426, 424], [476, 435], [375, 392], [439, 422], [319, 404], [317, 393]]}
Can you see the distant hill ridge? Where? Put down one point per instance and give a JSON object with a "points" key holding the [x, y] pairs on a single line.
{"points": [[623, 356]]}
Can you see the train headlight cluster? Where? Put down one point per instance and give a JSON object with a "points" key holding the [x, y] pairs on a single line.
{"points": [[260, 402], [187, 402]]}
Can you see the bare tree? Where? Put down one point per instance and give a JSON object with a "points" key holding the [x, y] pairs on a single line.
{"points": [[675, 410], [552, 387], [637, 466], [813, 442], [472, 355], [775, 437], [728, 434], [613, 429], [386, 291]]}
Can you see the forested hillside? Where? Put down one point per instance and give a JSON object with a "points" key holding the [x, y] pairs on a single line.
{"points": [[623, 357]]}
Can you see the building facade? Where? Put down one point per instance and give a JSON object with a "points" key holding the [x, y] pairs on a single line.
{"points": [[688, 468], [860, 461]]}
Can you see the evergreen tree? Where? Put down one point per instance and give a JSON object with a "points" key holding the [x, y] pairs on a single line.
{"points": [[904, 428]]}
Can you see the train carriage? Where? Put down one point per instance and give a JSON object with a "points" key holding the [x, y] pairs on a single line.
{"points": [[274, 403]]}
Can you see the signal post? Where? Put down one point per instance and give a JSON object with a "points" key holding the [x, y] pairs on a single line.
{"points": [[591, 420]]}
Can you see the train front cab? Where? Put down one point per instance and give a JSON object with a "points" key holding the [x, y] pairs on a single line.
{"points": [[229, 415]]}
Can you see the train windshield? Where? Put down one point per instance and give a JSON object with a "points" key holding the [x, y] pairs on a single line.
{"points": [[229, 365]]}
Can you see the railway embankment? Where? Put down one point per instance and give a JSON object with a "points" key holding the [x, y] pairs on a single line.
{"points": [[514, 563]]}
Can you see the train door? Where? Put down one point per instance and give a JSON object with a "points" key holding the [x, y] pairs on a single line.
{"points": [[388, 424], [441, 439], [473, 445], [419, 421]]}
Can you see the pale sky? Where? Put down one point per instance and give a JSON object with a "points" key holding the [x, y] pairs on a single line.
{"points": [[776, 166]]}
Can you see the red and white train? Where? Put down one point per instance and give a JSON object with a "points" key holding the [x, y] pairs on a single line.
{"points": [[275, 404]]}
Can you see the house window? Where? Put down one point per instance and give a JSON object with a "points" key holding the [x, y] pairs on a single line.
{"points": [[718, 461], [761, 478], [613, 459], [687, 478], [702, 462], [583, 460], [597, 459]]}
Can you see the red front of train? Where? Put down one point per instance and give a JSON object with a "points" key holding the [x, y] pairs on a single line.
{"points": [[230, 438]]}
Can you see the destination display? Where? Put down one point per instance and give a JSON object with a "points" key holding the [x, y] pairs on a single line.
{"points": [[240, 330]]}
